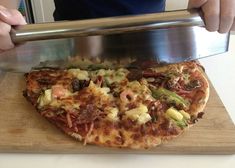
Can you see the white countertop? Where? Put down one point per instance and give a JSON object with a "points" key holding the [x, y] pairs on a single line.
{"points": [[221, 71]]}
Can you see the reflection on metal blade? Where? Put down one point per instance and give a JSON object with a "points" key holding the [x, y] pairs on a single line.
{"points": [[170, 45]]}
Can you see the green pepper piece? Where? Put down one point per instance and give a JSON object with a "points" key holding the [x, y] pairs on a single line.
{"points": [[96, 67], [170, 96]]}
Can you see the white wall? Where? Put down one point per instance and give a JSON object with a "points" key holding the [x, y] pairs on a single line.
{"points": [[44, 8]]}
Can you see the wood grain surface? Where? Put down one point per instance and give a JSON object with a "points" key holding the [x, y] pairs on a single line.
{"points": [[22, 129]]}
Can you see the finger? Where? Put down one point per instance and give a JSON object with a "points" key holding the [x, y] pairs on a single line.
{"points": [[196, 3], [227, 14], [5, 39], [211, 11], [11, 16]]}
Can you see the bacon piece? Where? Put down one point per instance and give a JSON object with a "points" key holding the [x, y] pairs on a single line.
{"points": [[99, 81], [181, 91], [88, 114], [69, 121]]}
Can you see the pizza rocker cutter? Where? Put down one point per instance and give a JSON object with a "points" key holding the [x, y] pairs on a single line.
{"points": [[163, 38]]}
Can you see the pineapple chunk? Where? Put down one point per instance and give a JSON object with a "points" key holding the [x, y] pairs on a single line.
{"points": [[174, 114], [55, 103], [45, 98], [139, 114], [139, 110], [143, 118], [113, 114]]}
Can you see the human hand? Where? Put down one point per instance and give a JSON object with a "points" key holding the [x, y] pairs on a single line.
{"points": [[8, 18], [219, 15]]}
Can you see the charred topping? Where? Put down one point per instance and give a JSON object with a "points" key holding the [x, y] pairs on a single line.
{"points": [[45, 81], [88, 114], [46, 68], [134, 74], [195, 118], [79, 84], [26, 75], [200, 115], [25, 93], [193, 84]]}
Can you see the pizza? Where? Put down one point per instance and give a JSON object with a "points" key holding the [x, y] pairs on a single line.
{"points": [[133, 107]]}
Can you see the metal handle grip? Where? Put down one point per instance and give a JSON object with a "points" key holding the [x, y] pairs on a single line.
{"points": [[103, 26]]}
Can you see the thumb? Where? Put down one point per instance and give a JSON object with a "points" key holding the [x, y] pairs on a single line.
{"points": [[11, 16], [196, 3]]}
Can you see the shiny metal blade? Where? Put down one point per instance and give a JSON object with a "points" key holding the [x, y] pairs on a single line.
{"points": [[106, 26], [170, 45], [167, 37]]}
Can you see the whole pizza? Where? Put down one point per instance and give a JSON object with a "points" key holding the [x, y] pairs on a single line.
{"points": [[123, 107]]}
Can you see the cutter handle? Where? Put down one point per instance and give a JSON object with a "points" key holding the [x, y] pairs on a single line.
{"points": [[105, 26]]}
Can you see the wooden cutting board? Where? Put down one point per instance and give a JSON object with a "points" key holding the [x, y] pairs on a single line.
{"points": [[22, 129]]}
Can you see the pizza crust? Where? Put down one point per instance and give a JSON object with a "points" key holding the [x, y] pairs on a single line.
{"points": [[201, 104]]}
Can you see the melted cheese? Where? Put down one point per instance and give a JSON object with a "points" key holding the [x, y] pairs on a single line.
{"points": [[96, 89], [112, 76], [80, 74]]}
